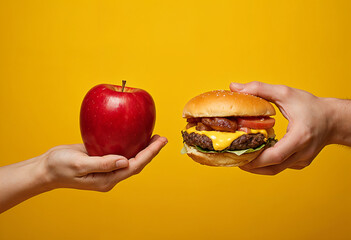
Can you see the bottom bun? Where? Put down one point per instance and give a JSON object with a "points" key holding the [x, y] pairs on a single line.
{"points": [[220, 159]]}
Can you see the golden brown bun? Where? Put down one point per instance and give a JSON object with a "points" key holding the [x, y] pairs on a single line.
{"points": [[220, 159], [224, 103]]}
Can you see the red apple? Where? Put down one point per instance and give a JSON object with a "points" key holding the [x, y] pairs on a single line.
{"points": [[116, 120]]}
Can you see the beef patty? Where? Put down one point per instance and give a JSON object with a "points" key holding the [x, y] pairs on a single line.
{"points": [[243, 142]]}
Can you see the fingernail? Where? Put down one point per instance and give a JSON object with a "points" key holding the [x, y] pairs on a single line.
{"points": [[165, 141], [121, 163], [238, 86]]}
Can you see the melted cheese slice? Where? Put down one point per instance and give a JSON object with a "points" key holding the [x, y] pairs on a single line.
{"points": [[222, 140]]}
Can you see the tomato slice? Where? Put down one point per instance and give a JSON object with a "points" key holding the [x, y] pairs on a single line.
{"points": [[256, 122]]}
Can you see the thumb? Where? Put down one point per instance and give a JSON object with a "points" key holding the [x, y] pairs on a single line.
{"points": [[269, 92], [107, 163]]}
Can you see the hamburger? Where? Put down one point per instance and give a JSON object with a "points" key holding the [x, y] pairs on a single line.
{"points": [[227, 128]]}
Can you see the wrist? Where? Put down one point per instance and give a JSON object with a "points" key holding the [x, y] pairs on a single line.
{"points": [[40, 181], [20, 181], [45, 180], [338, 114]]}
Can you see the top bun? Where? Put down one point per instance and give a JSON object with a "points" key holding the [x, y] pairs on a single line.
{"points": [[224, 103]]}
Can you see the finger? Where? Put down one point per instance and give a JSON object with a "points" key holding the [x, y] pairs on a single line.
{"points": [[142, 158], [273, 170], [277, 154], [267, 91], [303, 159], [106, 181], [297, 161], [154, 138], [146, 155], [106, 163], [102, 182]]}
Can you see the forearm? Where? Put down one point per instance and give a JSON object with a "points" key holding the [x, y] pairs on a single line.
{"points": [[340, 121], [21, 181]]}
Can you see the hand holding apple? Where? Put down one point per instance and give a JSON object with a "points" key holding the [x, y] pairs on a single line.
{"points": [[69, 166], [116, 120]]}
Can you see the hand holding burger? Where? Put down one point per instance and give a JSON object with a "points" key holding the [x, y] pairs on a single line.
{"points": [[314, 122], [226, 128]]}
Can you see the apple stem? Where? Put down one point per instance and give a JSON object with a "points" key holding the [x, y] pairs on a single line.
{"points": [[123, 84]]}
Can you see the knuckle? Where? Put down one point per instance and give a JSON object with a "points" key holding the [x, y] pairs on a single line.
{"points": [[137, 170], [104, 165], [255, 85], [53, 153], [277, 158], [53, 149], [285, 90], [307, 135], [77, 166], [151, 152]]}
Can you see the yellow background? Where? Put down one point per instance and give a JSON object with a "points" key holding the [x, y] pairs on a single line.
{"points": [[53, 52]]}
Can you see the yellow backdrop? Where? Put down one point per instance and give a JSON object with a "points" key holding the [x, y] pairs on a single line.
{"points": [[53, 52]]}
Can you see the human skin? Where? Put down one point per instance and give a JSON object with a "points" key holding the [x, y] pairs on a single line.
{"points": [[314, 122], [69, 166]]}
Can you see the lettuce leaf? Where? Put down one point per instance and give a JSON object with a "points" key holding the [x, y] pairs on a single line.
{"points": [[183, 151]]}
